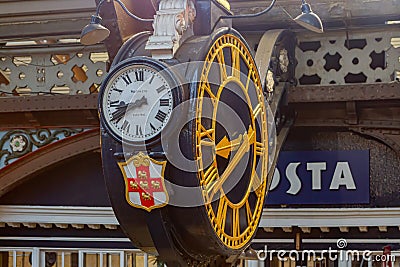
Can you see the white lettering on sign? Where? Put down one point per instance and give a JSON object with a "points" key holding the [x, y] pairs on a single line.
{"points": [[342, 176], [294, 180], [316, 168]]}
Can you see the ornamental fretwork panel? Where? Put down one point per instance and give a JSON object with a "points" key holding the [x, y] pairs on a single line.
{"points": [[348, 57], [15, 144], [54, 69]]}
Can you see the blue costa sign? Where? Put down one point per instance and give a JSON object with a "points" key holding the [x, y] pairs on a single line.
{"points": [[321, 177]]}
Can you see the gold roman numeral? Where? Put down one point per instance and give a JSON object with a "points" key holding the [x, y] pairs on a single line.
{"points": [[210, 175], [235, 222], [248, 213], [221, 213], [206, 87], [257, 110], [206, 134], [256, 181], [248, 80], [222, 65], [235, 62], [259, 148], [257, 184]]}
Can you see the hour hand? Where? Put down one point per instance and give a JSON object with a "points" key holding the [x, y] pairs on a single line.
{"points": [[249, 139], [225, 147], [123, 108], [119, 112], [137, 104]]}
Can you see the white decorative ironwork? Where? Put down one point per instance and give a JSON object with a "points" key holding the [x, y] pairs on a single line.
{"points": [[172, 25], [51, 70], [358, 57]]}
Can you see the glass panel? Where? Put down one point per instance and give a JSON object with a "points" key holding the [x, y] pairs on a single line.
{"points": [[113, 260], [10, 259], [139, 259], [20, 256], [51, 259], [74, 259], [130, 259], [91, 260], [69, 258], [104, 259], [22, 259], [320, 262], [152, 261], [55, 259], [3, 259]]}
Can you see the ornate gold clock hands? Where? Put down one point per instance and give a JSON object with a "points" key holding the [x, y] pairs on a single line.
{"points": [[225, 147], [249, 139]]}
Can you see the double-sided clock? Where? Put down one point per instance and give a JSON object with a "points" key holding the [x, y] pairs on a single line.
{"points": [[224, 133]]}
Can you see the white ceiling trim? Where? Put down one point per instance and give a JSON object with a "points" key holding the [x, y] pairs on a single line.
{"points": [[93, 217], [60, 216], [332, 217], [64, 239]]}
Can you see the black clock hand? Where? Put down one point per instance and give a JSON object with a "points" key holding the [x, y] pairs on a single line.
{"points": [[121, 110], [137, 104]]}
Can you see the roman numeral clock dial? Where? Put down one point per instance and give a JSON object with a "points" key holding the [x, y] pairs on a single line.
{"points": [[232, 184], [136, 101]]}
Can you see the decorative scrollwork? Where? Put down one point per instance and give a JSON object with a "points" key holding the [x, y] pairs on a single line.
{"points": [[17, 143], [270, 82], [141, 160], [172, 25], [284, 60]]}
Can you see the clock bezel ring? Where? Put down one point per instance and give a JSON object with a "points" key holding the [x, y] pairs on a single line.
{"points": [[170, 77]]}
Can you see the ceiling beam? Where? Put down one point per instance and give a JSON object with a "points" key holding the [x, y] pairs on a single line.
{"points": [[331, 12], [35, 19], [24, 7]]}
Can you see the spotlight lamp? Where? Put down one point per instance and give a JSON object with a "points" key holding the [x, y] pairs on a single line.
{"points": [[94, 32], [309, 19]]}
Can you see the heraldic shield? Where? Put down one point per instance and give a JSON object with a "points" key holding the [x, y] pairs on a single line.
{"points": [[144, 182]]}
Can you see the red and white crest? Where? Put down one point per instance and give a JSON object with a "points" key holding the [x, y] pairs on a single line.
{"points": [[144, 182]]}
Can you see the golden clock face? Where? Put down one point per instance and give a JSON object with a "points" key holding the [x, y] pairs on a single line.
{"points": [[232, 151]]}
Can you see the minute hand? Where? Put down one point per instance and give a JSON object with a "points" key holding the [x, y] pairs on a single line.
{"points": [[121, 110], [137, 104], [244, 147]]}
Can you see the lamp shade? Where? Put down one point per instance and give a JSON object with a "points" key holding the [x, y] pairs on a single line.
{"points": [[309, 19], [94, 32]]}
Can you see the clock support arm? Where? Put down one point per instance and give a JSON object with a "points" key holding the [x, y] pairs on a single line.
{"points": [[275, 60]]}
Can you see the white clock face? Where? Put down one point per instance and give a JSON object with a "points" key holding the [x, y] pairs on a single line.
{"points": [[137, 103]]}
